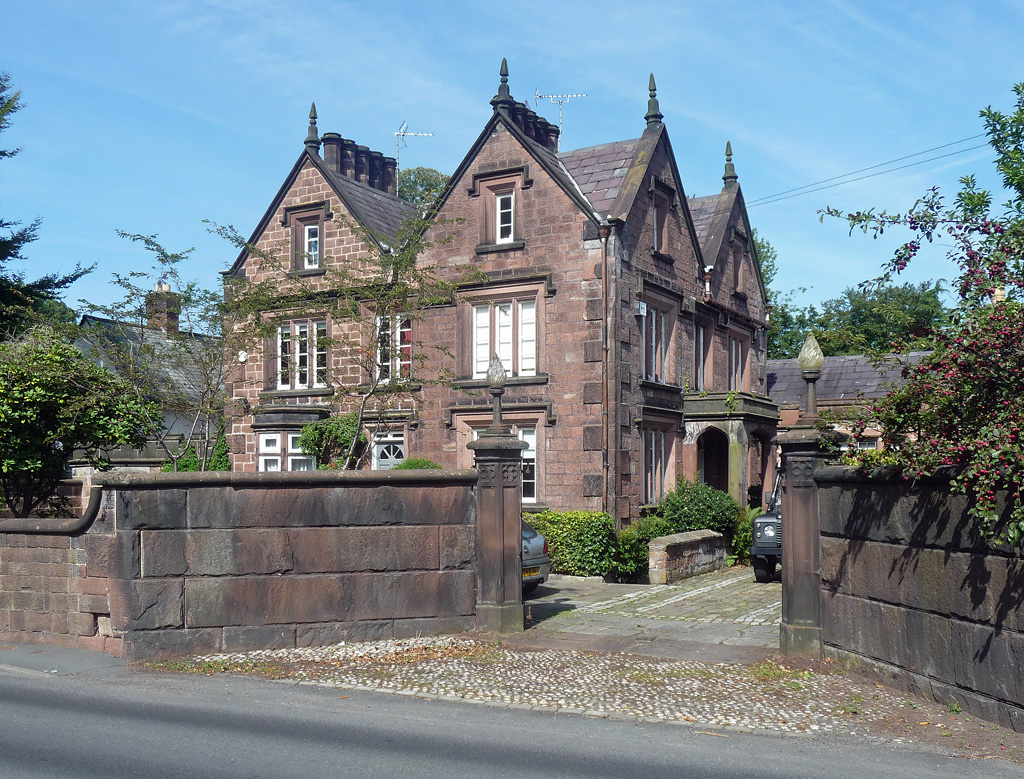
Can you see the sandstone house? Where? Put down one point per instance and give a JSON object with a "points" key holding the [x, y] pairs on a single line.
{"points": [[630, 319]]}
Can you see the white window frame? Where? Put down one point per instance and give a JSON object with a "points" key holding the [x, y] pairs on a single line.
{"points": [[654, 344], [509, 329], [394, 347], [384, 441], [736, 364], [530, 477], [654, 458], [270, 452], [528, 434], [311, 245], [504, 205], [297, 459], [302, 355], [700, 357]]}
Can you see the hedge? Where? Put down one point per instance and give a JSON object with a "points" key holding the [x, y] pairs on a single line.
{"points": [[580, 543]]}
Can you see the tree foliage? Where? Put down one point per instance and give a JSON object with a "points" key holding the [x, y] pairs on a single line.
{"points": [[421, 186], [54, 402], [963, 406], [24, 303]]}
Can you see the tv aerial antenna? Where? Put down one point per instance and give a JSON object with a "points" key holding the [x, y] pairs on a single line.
{"points": [[400, 136], [560, 100]]}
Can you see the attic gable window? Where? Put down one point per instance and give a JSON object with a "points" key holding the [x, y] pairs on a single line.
{"points": [[306, 224], [504, 208], [500, 196], [663, 202], [311, 257]]}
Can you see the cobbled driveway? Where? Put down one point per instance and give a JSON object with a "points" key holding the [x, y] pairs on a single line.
{"points": [[720, 617]]}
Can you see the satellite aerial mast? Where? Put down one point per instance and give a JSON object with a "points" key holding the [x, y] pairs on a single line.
{"points": [[403, 131], [561, 100]]}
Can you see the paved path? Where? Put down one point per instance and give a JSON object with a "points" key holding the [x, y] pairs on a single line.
{"points": [[720, 617]]}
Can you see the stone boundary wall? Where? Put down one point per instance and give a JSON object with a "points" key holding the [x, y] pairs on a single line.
{"points": [[910, 591], [177, 563], [683, 555]]}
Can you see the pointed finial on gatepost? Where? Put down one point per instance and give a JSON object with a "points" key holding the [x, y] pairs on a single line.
{"points": [[653, 115], [730, 178], [503, 100], [312, 138]]}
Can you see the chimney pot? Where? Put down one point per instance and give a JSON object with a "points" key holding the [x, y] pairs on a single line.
{"points": [[163, 308]]}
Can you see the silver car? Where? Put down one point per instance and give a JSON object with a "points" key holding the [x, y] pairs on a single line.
{"points": [[536, 563]]}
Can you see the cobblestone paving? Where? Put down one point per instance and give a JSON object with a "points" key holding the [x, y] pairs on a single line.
{"points": [[700, 653]]}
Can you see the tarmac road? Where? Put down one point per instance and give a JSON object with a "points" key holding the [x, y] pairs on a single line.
{"points": [[74, 715]]}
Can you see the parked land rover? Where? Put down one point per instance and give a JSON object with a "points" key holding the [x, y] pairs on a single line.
{"points": [[766, 549]]}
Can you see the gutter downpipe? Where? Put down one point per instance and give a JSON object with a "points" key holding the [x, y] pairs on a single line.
{"points": [[56, 527], [602, 231]]}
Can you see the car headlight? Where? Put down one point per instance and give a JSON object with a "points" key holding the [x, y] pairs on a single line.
{"points": [[769, 531]]}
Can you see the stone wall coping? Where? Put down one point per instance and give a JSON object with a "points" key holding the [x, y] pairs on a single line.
{"points": [[443, 477], [847, 474], [689, 537]]}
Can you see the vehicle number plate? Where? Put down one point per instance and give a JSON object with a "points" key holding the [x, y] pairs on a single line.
{"points": [[531, 571]]}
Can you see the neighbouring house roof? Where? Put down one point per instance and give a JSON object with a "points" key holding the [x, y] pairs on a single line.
{"points": [[851, 378], [181, 374]]}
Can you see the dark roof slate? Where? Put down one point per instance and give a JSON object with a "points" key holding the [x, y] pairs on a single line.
{"points": [[380, 212], [599, 171], [177, 373], [842, 378], [703, 209]]}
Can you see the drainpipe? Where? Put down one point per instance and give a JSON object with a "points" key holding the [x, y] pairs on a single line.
{"points": [[603, 230]]}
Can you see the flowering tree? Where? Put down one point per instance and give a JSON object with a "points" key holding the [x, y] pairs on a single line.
{"points": [[964, 405]]}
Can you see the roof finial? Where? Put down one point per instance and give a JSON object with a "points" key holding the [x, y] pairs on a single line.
{"points": [[503, 100], [730, 176], [654, 115], [312, 138]]}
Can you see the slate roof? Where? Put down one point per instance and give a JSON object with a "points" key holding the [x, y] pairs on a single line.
{"points": [[599, 171], [842, 378], [703, 209], [380, 212], [179, 374]]}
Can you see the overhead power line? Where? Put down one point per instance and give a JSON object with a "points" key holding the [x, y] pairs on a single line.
{"points": [[813, 187]]}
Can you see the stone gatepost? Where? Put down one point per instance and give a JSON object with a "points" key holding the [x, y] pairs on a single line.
{"points": [[800, 632], [498, 456]]}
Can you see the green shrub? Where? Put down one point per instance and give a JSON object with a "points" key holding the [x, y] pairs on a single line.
{"points": [[329, 439], [416, 464], [743, 535], [699, 507], [189, 461], [580, 543], [632, 558]]}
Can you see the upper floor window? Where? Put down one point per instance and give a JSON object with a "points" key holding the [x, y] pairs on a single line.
{"points": [[504, 208], [394, 347], [311, 258], [701, 354], [737, 364], [662, 203], [654, 338], [508, 329], [301, 355]]}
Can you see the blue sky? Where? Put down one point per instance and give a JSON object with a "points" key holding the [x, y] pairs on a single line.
{"points": [[151, 117]]}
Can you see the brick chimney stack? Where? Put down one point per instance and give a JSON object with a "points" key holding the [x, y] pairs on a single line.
{"points": [[163, 308]]}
